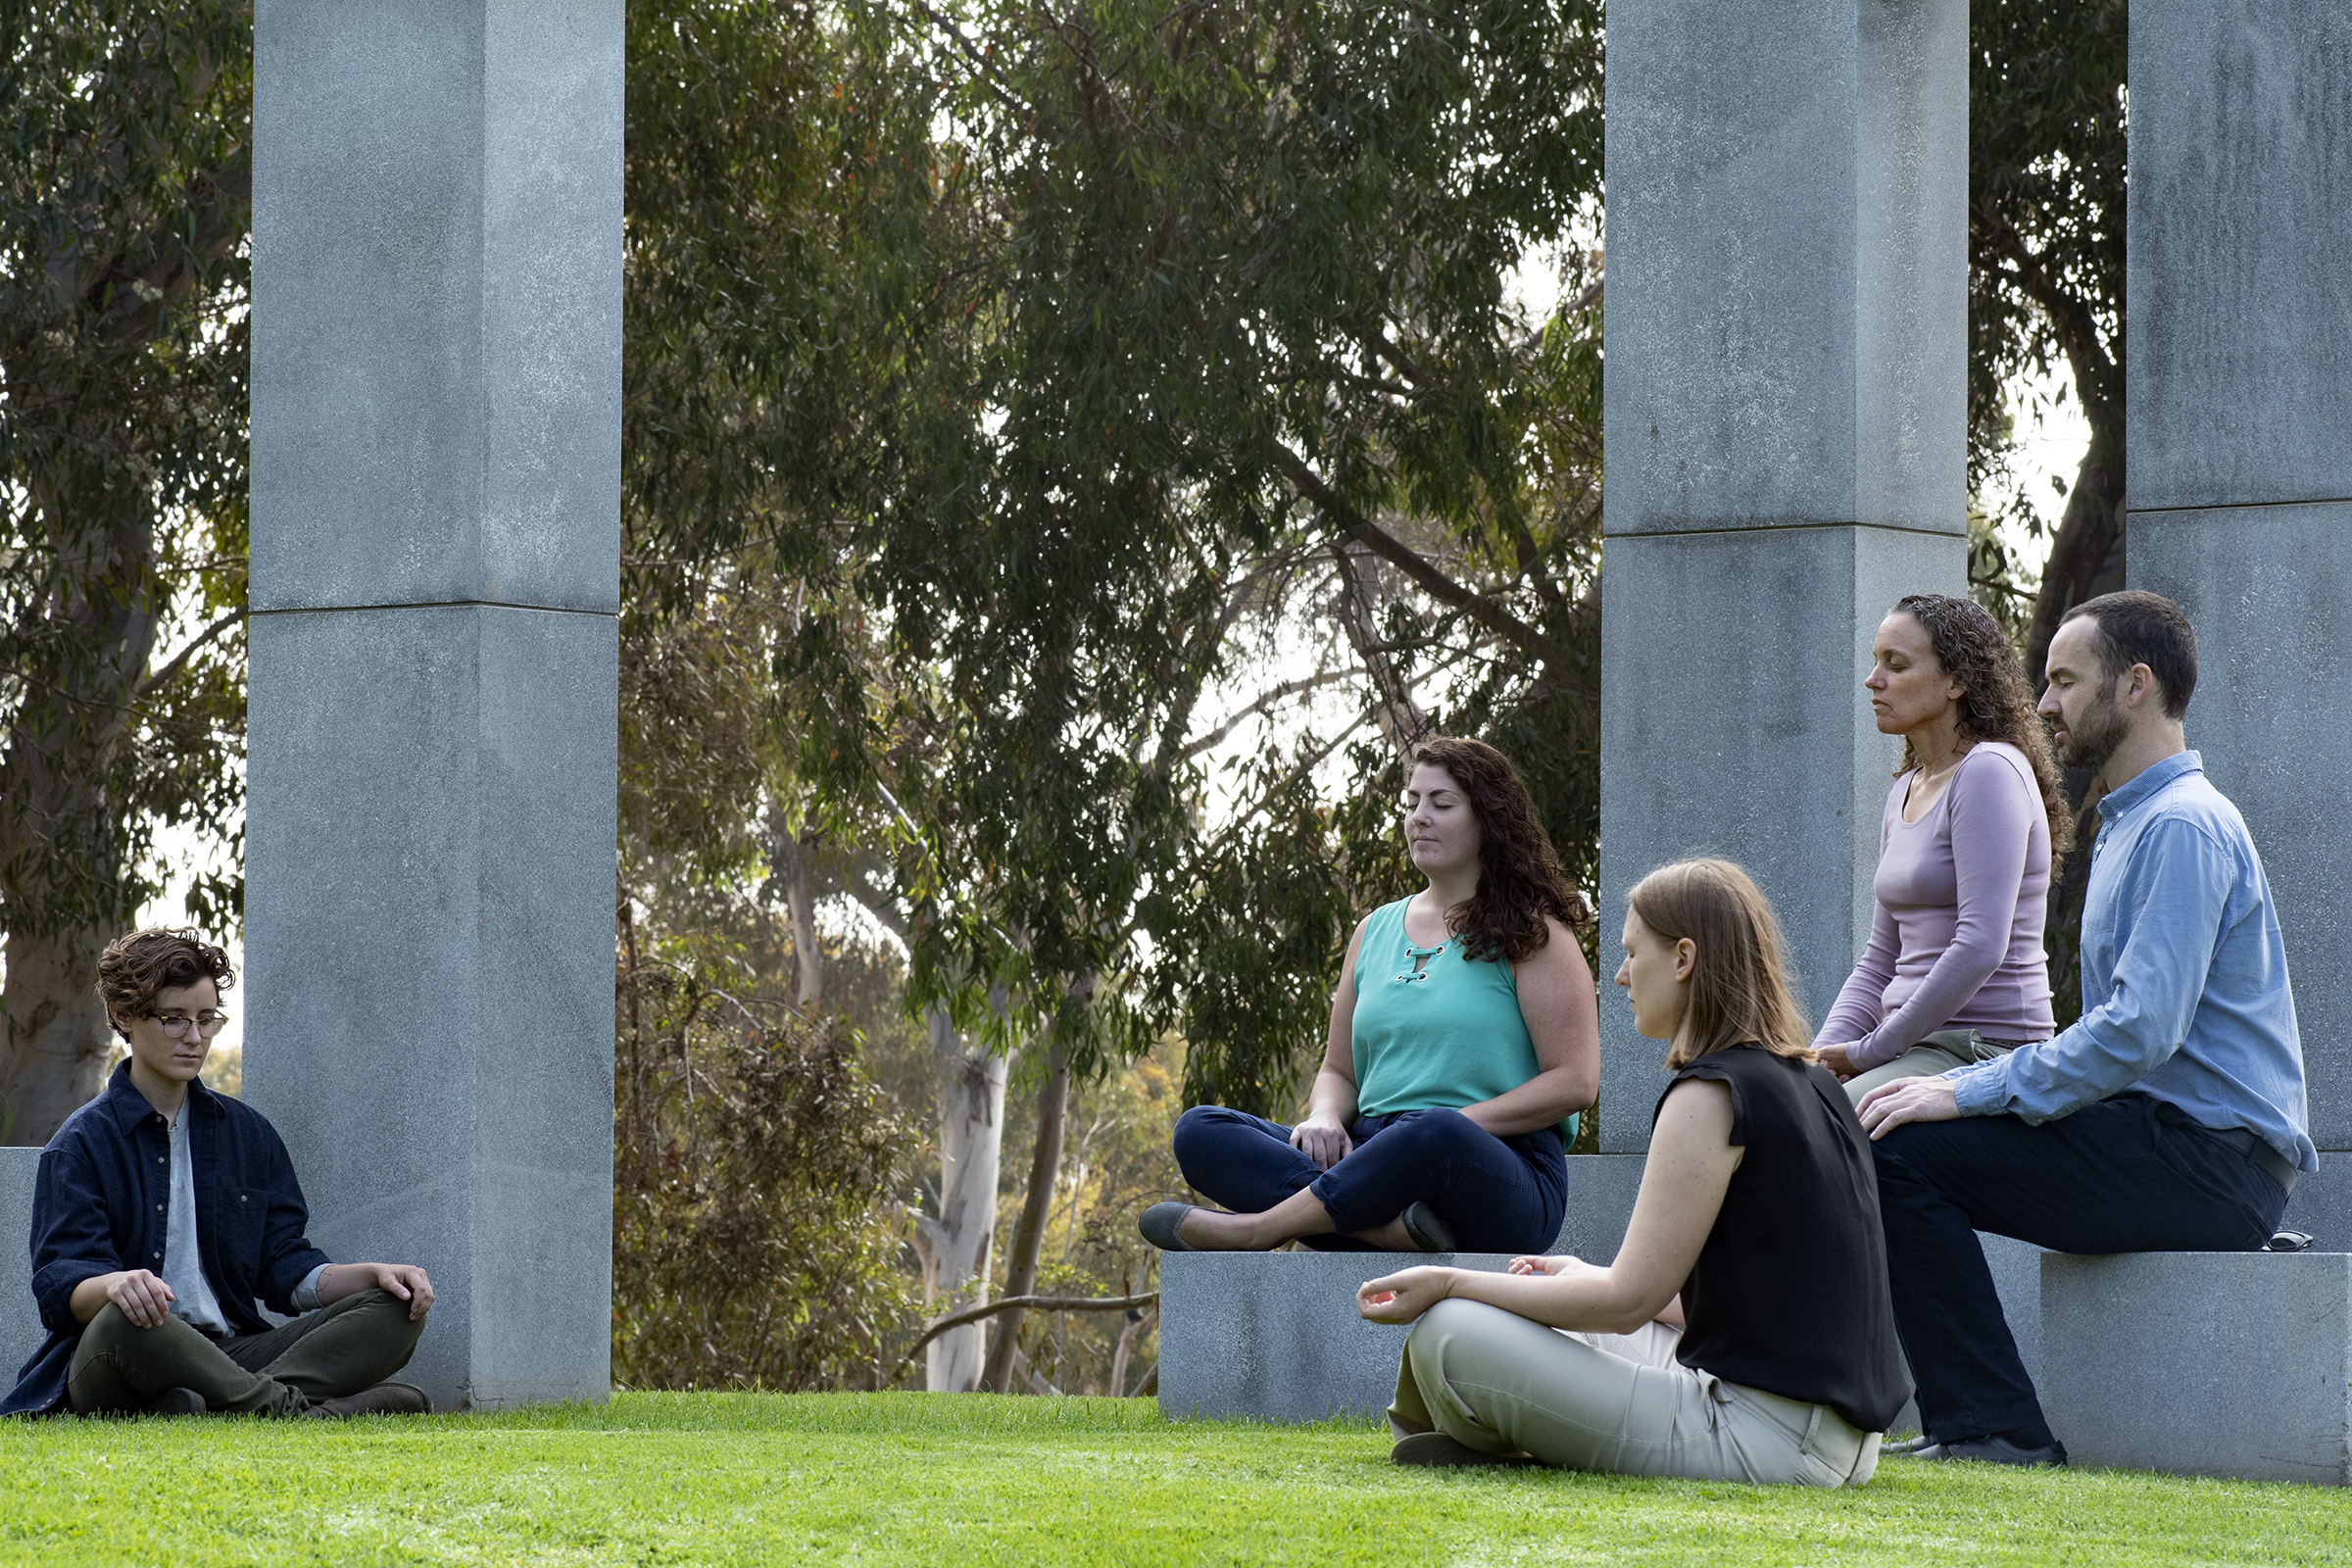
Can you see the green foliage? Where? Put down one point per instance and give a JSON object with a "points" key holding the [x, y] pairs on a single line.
{"points": [[1029, 364], [2046, 152], [2045, 209], [755, 1237], [123, 207], [1244, 309], [925, 1479]]}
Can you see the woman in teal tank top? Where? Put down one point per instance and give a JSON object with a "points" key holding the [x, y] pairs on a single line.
{"points": [[1465, 1039]]}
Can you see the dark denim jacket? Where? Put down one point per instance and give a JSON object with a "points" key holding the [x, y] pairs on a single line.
{"points": [[98, 1206]]}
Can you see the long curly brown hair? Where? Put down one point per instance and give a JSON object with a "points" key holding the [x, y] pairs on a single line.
{"points": [[1995, 703], [1519, 879]]}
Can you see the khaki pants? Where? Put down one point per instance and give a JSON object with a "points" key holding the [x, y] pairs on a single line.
{"points": [[1935, 1055], [1619, 1403], [341, 1349]]}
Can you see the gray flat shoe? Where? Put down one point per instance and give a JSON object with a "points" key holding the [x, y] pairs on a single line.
{"points": [[1159, 1224], [1907, 1445], [1428, 1232], [1437, 1451]]}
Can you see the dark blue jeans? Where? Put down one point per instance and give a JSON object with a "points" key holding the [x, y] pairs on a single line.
{"points": [[2128, 1174], [1498, 1195]]}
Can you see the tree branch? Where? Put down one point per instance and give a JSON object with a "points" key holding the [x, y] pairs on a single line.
{"points": [[171, 667], [1360, 529], [1265, 701], [1009, 1303]]}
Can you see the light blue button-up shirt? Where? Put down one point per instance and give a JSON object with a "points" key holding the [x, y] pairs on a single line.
{"points": [[2184, 987]]}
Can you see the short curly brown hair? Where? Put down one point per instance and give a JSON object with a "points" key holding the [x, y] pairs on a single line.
{"points": [[135, 967]]}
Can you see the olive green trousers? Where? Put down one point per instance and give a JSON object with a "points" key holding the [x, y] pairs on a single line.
{"points": [[353, 1344]]}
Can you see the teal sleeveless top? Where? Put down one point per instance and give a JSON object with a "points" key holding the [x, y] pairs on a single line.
{"points": [[1432, 1029]]}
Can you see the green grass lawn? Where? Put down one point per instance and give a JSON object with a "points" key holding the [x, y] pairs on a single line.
{"points": [[970, 1480]]}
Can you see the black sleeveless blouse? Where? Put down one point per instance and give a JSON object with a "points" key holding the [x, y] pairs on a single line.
{"points": [[1789, 1293]]}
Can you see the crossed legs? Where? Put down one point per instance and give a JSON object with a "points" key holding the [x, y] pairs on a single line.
{"points": [[353, 1344], [1497, 1194]]}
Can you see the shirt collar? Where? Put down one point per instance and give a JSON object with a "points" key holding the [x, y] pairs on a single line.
{"points": [[129, 1106], [2149, 780]]}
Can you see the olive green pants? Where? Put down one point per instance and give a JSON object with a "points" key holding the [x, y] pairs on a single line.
{"points": [[1936, 1055], [353, 1344], [1617, 1403]]}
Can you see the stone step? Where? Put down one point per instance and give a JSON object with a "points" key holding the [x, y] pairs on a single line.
{"points": [[2232, 1364], [1275, 1336]]}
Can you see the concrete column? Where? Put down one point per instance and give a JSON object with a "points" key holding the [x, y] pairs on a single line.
{"points": [[436, 476], [1784, 421], [2238, 408]]}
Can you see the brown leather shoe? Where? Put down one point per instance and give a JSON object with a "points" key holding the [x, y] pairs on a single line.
{"points": [[385, 1398]]}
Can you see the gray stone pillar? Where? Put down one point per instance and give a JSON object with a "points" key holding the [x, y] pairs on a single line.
{"points": [[2239, 409], [436, 475], [1784, 421]]}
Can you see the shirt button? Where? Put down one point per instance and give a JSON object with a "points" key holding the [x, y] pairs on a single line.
{"points": [[158, 1208]]}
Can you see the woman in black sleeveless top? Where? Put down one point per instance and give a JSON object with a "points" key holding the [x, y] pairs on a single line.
{"points": [[1744, 1332]]}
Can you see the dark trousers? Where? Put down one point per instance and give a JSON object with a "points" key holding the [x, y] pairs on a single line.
{"points": [[347, 1345], [2128, 1174], [1498, 1195]]}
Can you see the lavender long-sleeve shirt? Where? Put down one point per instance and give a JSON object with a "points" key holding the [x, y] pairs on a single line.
{"points": [[1956, 940]]}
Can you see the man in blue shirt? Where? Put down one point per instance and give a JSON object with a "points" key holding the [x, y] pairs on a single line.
{"points": [[162, 1209], [2170, 1118]]}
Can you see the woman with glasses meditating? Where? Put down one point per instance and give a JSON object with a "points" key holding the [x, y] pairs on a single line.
{"points": [[1744, 1332], [1465, 1039], [165, 1217]]}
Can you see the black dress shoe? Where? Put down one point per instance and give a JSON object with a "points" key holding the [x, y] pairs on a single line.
{"points": [[1437, 1449], [1159, 1224], [1429, 1233], [1996, 1451], [179, 1402]]}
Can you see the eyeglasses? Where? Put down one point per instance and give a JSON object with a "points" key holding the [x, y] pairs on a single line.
{"points": [[206, 1024]]}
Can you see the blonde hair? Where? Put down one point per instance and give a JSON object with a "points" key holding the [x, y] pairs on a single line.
{"points": [[1740, 985]]}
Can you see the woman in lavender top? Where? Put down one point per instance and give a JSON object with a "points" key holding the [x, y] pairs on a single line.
{"points": [[1954, 971]]}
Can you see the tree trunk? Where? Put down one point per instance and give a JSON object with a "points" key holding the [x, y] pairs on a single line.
{"points": [[54, 1038], [799, 903], [2086, 554], [1402, 722], [954, 1246], [1044, 1169]]}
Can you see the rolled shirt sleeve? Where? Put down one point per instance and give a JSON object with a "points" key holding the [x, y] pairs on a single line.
{"points": [[2166, 907], [72, 1240], [305, 1294]]}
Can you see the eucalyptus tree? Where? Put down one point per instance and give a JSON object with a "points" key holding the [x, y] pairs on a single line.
{"points": [[125, 196], [2046, 116], [1239, 320]]}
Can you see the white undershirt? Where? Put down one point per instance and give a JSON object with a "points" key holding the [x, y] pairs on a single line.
{"points": [[192, 1298]]}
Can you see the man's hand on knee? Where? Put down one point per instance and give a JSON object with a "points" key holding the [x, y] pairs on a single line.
{"points": [[1889, 1106], [404, 1282]]}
